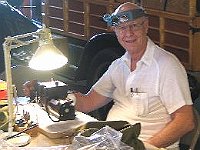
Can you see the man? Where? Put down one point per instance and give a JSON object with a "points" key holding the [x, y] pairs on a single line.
{"points": [[147, 84]]}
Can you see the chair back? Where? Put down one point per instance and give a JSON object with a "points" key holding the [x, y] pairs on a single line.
{"points": [[191, 138]]}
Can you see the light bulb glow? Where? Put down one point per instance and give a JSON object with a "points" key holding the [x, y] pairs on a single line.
{"points": [[47, 57]]}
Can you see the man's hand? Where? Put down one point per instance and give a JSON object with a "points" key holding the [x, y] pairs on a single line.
{"points": [[29, 87], [182, 122]]}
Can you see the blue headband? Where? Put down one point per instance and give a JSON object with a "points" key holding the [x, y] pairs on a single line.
{"points": [[116, 19]]}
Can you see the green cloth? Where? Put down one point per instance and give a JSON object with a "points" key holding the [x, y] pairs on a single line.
{"points": [[130, 136], [3, 119], [130, 132]]}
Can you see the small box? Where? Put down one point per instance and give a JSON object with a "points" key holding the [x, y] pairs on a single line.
{"points": [[3, 90], [3, 95], [3, 85]]}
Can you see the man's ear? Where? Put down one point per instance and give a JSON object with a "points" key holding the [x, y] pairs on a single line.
{"points": [[146, 24]]}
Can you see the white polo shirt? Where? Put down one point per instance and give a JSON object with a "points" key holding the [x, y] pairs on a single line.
{"points": [[149, 94]]}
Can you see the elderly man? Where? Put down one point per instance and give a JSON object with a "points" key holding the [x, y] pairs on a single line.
{"points": [[147, 84]]}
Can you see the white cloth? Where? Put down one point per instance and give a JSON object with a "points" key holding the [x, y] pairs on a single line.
{"points": [[159, 87]]}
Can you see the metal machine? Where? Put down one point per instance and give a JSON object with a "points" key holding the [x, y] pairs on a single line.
{"points": [[53, 97]]}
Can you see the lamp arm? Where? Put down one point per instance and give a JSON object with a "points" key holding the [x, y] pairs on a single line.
{"points": [[7, 58], [21, 40], [9, 44]]}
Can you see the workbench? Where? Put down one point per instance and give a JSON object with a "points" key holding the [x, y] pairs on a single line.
{"points": [[51, 133], [55, 134]]}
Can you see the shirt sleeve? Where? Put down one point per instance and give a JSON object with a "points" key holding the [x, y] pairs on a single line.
{"points": [[174, 87], [104, 85]]}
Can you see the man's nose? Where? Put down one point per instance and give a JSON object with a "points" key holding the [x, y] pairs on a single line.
{"points": [[129, 29]]}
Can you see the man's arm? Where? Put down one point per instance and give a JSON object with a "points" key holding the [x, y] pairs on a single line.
{"points": [[182, 122], [90, 101]]}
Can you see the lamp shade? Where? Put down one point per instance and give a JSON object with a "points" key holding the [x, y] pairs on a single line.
{"points": [[47, 56]]}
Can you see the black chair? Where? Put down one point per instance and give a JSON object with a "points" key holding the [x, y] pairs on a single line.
{"points": [[189, 140]]}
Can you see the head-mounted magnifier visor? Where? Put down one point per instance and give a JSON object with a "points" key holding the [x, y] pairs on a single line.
{"points": [[116, 19]]}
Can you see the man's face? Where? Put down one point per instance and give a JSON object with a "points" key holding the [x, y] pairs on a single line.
{"points": [[132, 34]]}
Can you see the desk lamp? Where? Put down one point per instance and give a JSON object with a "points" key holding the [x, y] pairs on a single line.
{"points": [[47, 57]]}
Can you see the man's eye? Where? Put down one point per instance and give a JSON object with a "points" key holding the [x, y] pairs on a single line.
{"points": [[136, 25], [121, 28]]}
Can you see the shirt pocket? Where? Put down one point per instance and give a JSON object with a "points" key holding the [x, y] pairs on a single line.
{"points": [[141, 103]]}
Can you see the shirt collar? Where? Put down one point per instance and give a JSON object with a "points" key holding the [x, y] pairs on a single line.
{"points": [[146, 58], [148, 54]]}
